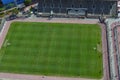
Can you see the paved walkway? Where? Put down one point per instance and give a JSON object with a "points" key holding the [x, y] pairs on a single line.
{"points": [[61, 20], [35, 77], [112, 52], [117, 45], [105, 53]]}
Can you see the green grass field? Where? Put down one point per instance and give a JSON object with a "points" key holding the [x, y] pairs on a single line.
{"points": [[53, 49]]}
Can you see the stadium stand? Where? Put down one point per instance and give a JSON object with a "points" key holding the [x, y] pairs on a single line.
{"points": [[92, 6]]}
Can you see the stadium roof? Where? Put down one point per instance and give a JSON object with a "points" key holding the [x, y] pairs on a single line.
{"points": [[104, 0], [110, 0]]}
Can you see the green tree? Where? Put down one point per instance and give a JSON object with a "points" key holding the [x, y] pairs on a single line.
{"points": [[15, 11], [2, 8], [27, 2], [113, 11]]}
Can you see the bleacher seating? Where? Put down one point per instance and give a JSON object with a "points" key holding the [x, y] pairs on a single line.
{"points": [[56, 3], [60, 6], [63, 10], [56, 10]]}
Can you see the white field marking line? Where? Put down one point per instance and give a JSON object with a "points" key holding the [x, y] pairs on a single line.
{"points": [[2, 53], [5, 43], [3, 28], [2, 31], [9, 79]]}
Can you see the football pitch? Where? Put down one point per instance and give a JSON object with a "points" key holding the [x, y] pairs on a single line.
{"points": [[55, 49]]}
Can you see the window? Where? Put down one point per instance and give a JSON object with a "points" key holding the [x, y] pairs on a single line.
{"points": [[93, 6], [80, 5], [72, 6], [60, 6]]}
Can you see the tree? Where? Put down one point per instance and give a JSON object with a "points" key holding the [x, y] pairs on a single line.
{"points": [[15, 11], [1, 5], [27, 2], [113, 11]]}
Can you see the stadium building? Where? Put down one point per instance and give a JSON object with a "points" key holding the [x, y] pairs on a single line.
{"points": [[77, 7]]}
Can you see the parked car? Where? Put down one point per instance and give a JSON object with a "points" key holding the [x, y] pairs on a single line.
{"points": [[11, 17]]}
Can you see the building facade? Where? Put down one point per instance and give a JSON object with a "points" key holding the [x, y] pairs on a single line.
{"points": [[12, 1]]}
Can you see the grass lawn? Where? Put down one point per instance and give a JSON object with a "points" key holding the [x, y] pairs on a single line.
{"points": [[53, 49]]}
